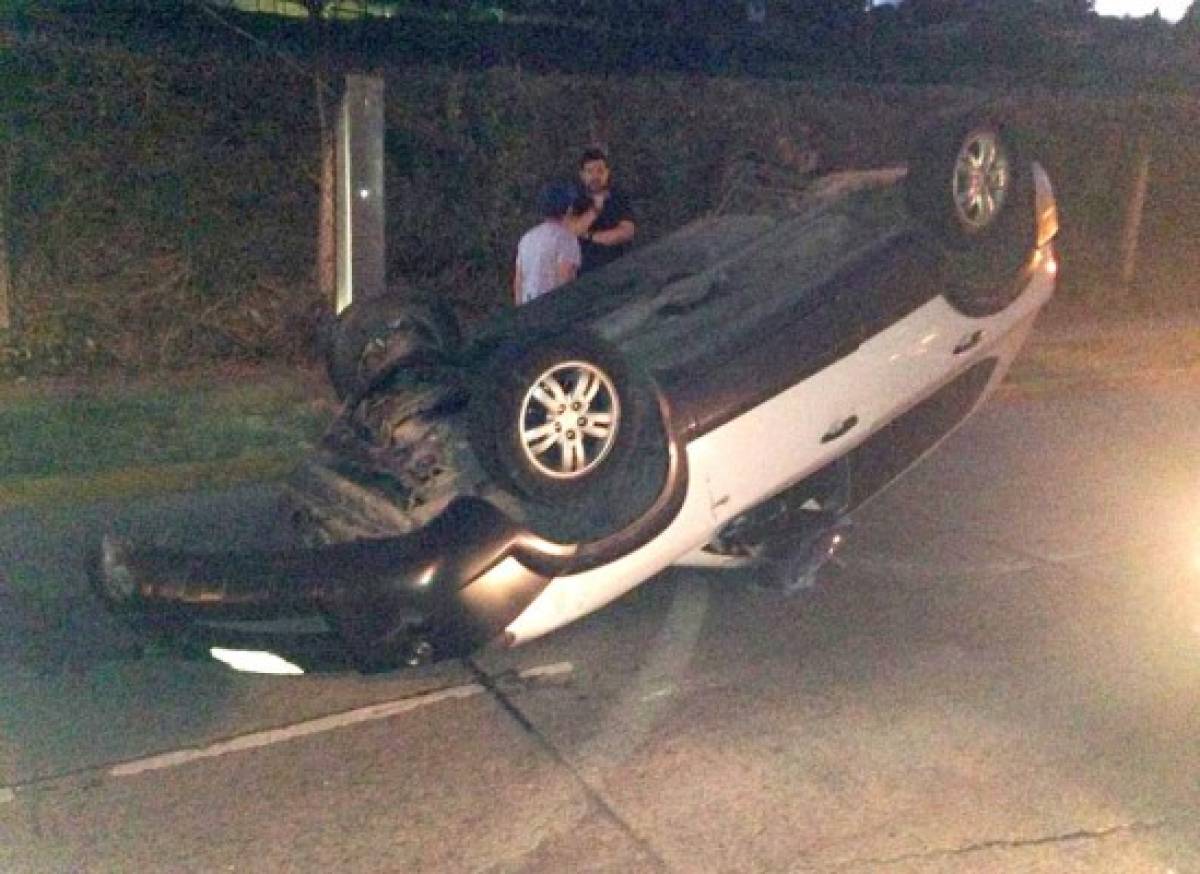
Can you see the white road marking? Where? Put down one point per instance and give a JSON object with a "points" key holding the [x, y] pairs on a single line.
{"points": [[553, 670], [373, 712], [664, 692], [259, 739]]}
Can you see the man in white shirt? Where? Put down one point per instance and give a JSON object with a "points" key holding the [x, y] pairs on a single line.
{"points": [[548, 255]]}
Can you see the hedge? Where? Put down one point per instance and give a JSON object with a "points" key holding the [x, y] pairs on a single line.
{"points": [[161, 210]]}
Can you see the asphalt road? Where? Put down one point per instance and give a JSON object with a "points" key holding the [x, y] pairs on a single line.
{"points": [[1001, 674]]}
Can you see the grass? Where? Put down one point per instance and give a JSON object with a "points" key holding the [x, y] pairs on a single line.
{"points": [[253, 466], [71, 442]]}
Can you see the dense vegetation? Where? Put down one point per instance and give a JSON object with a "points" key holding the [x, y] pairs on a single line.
{"points": [[163, 161]]}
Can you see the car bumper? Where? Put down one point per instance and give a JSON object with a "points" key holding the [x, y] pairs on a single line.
{"points": [[446, 589]]}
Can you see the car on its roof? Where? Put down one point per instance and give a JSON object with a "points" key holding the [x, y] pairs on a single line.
{"points": [[726, 396]]}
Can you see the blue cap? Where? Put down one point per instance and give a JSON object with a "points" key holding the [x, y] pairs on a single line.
{"points": [[556, 198]]}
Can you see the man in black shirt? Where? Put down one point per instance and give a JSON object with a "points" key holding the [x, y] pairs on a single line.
{"points": [[607, 234]]}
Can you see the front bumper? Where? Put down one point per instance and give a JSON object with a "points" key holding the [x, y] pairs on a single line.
{"points": [[443, 590]]}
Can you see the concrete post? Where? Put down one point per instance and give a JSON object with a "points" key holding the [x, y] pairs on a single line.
{"points": [[361, 247]]}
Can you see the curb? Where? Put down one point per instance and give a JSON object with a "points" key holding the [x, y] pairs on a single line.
{"points": [[1084, 353], [1056, 386]]}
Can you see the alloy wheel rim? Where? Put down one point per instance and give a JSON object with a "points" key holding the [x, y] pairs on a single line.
{"points": [[981, 180], [569, 420]]}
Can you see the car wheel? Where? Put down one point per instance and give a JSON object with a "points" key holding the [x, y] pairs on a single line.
{"points": [[566, 420], [969, 183], [373, 333]]}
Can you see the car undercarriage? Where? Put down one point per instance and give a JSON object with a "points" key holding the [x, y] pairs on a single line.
{"points": [[724, 397]]}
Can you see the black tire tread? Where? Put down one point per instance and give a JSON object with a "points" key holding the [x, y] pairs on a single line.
{"points": [[609, 498], [981, 271], [431, 323]]}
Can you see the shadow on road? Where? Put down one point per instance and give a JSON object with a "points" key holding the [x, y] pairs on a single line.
{"points": [[79, 688]]}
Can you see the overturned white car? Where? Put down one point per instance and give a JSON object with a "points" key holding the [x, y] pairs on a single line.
{"points": [[727, 395]]}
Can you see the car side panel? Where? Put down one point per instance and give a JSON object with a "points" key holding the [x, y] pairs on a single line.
{"points": [[888, 374], [786, 438], [858, 302]]}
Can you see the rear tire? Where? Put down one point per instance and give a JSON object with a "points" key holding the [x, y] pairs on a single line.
{"points": [[971, 186], [377, 332]]}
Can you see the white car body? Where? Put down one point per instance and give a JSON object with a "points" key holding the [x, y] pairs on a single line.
{"points": [[716, 373], [905, 363]]}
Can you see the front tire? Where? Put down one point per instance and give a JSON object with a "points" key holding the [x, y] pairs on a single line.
{"points": [[568, 423]]}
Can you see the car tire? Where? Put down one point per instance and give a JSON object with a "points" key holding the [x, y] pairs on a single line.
{"points": [[970, 184], [373, 333], [568, 422]]}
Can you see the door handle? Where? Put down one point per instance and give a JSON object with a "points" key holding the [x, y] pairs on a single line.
{"points": [[968, 342], [841, 429]]}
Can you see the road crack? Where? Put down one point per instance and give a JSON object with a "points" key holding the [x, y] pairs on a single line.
{"points": [[594, 796], [1008, 844]]}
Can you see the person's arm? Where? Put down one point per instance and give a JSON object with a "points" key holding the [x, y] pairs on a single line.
{"points": [[566, 271], [622, 233], [517, 285], [581, 223]]}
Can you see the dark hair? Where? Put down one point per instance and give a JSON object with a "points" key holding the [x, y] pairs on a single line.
{"points": [[595, 153], [556, 199]]}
